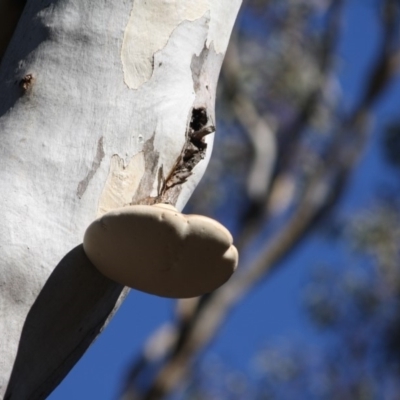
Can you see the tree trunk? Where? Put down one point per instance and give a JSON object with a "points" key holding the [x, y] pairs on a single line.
{"points": [[97, 100]]}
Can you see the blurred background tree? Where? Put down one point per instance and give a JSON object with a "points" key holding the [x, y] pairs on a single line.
{"points": [[289, 146]]}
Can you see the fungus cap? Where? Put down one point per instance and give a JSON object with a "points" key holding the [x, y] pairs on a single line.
{"points": [[158, 250]]}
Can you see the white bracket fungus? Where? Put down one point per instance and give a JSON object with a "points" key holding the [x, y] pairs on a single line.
{"points": [[158, 250]]}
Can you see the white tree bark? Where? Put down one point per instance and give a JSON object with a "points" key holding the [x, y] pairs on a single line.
{"points": [[96, 102]]}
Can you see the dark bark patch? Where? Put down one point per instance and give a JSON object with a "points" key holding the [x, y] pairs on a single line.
{"points": [[83, 184], [26, 82], [199, 118]]}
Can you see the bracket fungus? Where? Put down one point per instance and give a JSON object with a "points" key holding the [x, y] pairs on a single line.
{"points": [[158, 250]]}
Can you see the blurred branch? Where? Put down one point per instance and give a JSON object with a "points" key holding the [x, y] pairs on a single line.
{"points": [[277, 165], [259, 131], [325, 58], [199, 319]]}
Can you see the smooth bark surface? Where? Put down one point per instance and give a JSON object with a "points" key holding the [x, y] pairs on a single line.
{"points": [[95, 113]]}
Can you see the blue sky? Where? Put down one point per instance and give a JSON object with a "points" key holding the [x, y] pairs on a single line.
{"points": [[273, 310]]}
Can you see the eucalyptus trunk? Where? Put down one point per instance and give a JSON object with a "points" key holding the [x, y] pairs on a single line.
{"points": [[98, 100]]}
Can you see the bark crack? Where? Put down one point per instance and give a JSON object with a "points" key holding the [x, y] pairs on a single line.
{"points": [[193, 151]]}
